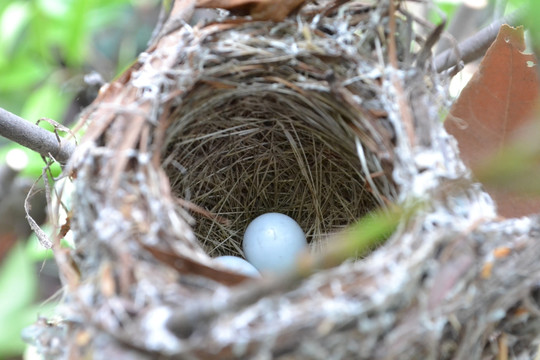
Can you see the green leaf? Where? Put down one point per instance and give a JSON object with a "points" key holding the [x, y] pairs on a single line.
{"points": [[14, 19], [11, 343], [35, 251], [447, 7], [47, 102], [18, 284], [21, 73], [58, 9], [17, 281], [35, 163], [371, 231], [359, 239], [76, 49], [533, 14], [515, 4]]}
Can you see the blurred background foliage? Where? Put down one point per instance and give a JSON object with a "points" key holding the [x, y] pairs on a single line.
{"points": [[46, 49], [46, 46]]}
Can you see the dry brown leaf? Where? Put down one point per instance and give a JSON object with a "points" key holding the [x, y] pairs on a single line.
{"points": [[498, 100], [185, 265], [275, 10]]}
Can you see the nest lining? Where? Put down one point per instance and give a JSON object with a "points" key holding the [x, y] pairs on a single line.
{"points": [[265, 148]]}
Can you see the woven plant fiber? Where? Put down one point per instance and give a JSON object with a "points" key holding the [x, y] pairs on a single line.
{"points": [[325, 116]]}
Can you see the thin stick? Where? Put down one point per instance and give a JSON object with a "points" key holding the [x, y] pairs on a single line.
{"points": [[476, 46], [33, 137], [404, 109]]}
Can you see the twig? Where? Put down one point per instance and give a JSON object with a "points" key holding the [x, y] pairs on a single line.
{"points": [[405, 111], [33, 137], [475, 46], [463, 23]]}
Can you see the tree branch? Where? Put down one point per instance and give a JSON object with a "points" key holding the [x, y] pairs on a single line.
{"points": [[33, 137], [476, 46]]}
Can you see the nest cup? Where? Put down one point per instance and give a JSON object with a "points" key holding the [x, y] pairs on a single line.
{"points": [[258, 133]]}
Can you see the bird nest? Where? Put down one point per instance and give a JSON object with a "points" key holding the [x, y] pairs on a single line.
{"points": [[324, 116]]}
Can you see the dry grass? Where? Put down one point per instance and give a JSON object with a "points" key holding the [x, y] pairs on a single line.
{"points": [[239, 155]]}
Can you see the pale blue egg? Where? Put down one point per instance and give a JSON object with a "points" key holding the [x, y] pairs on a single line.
{"points": [[272, 243], [237, 264]]}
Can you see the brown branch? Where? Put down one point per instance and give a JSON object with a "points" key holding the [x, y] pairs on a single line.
{"points": [[475, 46], [406, 116], [33, 137]]}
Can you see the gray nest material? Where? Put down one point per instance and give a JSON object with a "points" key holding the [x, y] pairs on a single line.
{"points": [[218, 123]]}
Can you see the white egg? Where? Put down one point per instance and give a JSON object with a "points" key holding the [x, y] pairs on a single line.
{"points": [[237, 264], [272, 243]]}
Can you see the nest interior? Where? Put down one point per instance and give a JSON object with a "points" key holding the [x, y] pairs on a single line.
{"points": [[263, 130]]}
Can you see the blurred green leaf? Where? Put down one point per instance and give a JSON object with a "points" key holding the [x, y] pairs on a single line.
{"points": [[58, 9], [22, 73], [371, 230], [43, 37], [447, 7], [110, 14], [17, 279], [359, 239], [18, 288], [13, 20], [47, 102], [515, 4], [35, 251], [11, 343], [533, 14], [76, 46], [35, 163]]}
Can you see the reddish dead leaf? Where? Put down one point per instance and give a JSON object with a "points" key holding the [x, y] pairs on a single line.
{"points": [[275, 10], [499, 99], [64, 229], [521, 311], [185, 265]]}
